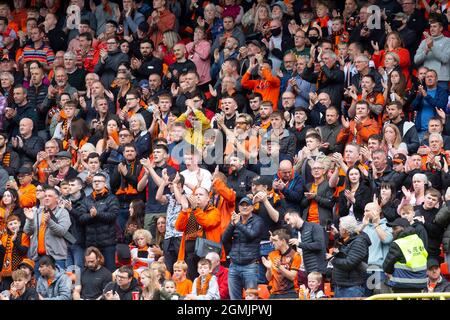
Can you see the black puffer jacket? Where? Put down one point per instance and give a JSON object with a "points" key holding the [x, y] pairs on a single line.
{"points": [[246, 239], [76, 229], [313, 246], [350, 263], [241, 182], [101, 229], [443, 220]]}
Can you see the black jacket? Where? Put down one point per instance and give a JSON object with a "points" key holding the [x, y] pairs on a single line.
{"points": [[14, 161], [123, 294], [241, 182], [443, 219], [434, 230], [29, 294], [349, 264], [30, 149], [389, 175], [390, 210], [76, 229], [245, 239], [149, 66], [101, 229], [442, 285], [325, 201], [362, 196], [313, 246], [332, 81], [27, 111]]}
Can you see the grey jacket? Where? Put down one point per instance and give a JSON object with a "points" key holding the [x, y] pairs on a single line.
{"points": [[59, 289], [438, 58], [55, 244]]}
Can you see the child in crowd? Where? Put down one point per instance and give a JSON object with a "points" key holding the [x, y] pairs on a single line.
{"points": [[205, 286], [20, 290], [313, 291], [14, 246], [251, 294], [183, 284], [170, 288], [142, 255]]}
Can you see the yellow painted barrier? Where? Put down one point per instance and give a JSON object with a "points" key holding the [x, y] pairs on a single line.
{"points": [[401, 296]]}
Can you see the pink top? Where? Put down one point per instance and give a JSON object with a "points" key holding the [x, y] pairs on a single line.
{"points": [[200, 55]]}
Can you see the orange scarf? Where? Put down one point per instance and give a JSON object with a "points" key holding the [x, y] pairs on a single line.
{"points": [[202, 288], [95, 194]]}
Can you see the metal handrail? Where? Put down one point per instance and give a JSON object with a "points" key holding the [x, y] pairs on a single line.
{"points": [[401, 296]]}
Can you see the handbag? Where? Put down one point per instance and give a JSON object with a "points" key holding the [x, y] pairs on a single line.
{"points": [[204, 246]]}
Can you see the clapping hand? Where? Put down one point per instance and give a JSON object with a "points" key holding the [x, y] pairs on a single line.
{"points": [[266, 262]]}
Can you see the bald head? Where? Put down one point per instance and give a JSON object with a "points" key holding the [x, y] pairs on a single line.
{"points": [[372, 210], [285, 170], [26, 127], [214, 258]]}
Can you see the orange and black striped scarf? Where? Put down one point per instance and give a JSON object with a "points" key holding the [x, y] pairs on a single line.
{"points": [[101, 193]]}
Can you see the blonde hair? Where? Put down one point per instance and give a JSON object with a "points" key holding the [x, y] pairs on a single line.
{"points": [[398, 137], [153, 285], [180, 264], [315, 276], [143, 233], [256, 18], [171, 38]]}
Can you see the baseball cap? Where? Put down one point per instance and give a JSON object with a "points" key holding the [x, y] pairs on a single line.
{"points": [[254, 42], [63, 154], [399, 158], [24, 170], [246, 200], [113, 22], [263, 180], [282, 6], [432, 262], [399, 222]]}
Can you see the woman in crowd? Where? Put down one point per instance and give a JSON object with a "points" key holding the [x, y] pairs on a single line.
{"points": [[110, 136], [355, 195], [392, 140]]}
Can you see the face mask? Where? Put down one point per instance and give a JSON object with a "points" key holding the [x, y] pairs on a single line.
{"points": [[313, 39], [276, 32], [396, 24]]}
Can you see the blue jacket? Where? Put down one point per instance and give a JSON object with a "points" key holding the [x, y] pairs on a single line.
{"points": [[246, 239], [293, 192], [439, 101]]}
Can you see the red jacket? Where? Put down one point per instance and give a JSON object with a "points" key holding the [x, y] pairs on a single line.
{"points": [[222, 280]]}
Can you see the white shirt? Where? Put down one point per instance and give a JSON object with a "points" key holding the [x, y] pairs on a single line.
{"points": [[191, 178]]}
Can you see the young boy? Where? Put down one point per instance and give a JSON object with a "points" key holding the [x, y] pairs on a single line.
{"points": [[407, 212], [339, 35], [20, 289], [64, 188], [205, 286], [14, 246], [251, 294], [183, 284], [313, 291], [308, 155]]}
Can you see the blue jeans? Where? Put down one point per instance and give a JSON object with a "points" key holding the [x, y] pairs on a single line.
{"points": [[241, 277], [349, 292], [122, 218], [109, 253], [75, 256], [264, 251]]}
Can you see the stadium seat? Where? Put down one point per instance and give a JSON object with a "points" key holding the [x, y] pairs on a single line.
{"points": [[263, 291], [444, 270], [327, 290]]}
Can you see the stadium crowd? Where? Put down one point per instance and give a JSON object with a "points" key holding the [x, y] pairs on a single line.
{"points": [[223, 149]]}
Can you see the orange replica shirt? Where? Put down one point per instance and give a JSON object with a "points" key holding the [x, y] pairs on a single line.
{"points": [[27, 196], [313, 211], [291, 260]]}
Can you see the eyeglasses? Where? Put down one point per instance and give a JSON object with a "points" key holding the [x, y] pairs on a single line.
{"points": [[124, 135]]}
